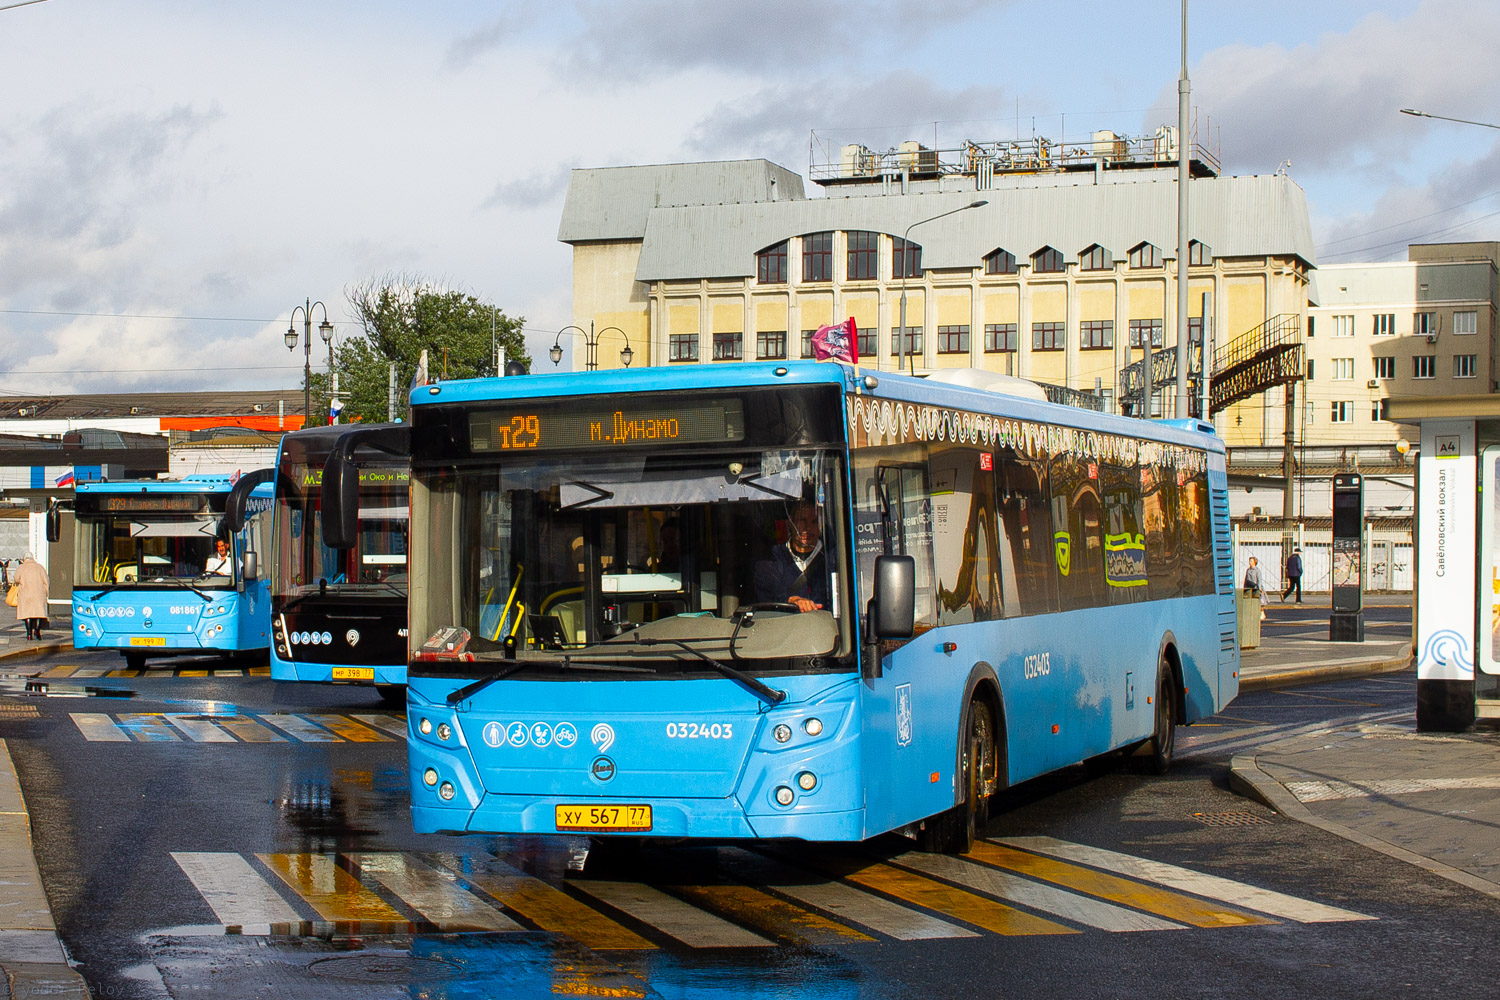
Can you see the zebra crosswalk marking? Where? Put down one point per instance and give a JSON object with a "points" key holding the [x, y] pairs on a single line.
{"points": [[97, 727], [1035, 895], [1171, 905], [234, 890], [541, 904], [198, 729], [432, 892], [89, 672], [62, 671], [301, 728], [971, 909], [670, 915], [349, 729], [385, 723], [843, 901], [192, 673], [330, 890], [1237, 893], [147, 728], [248, 730], [771, 916]]}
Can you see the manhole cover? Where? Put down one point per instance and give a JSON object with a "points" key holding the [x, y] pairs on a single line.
{"points": [[383, 968], [1229, 819]]}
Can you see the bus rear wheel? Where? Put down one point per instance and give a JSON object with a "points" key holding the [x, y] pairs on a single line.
{"points": [[392, 694], [135, 661], [1163, 742], [955, 830]]}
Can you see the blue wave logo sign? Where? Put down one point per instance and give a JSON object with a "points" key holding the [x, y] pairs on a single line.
{"points": [[1448, 648]]}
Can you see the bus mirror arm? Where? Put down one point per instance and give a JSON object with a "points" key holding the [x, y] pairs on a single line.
{"points": [[54, 522], [341, 479]]}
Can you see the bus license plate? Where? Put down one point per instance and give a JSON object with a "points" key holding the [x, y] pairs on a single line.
{"points": [[354, 673], [148, 640], [616, 818]]}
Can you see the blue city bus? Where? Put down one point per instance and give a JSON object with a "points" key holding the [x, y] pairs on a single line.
{"points": [[147, 577], [338, 615], [794, 601]]}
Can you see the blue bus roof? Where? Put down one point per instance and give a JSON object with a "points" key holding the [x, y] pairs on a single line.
{"points": [[187, 484], [888, 385]]}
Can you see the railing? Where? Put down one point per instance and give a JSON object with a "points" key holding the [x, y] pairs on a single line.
{"points": [[1269, 355], [1275, 332], [1072, 397]]}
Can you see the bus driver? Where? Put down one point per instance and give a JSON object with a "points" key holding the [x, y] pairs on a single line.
{"points": [[219, 563], [797, 572]]}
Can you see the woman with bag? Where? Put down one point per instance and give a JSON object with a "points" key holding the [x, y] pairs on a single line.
{"points": [[31, 596]]}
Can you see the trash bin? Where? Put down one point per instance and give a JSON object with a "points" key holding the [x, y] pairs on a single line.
{"points": [[1248, 611]]}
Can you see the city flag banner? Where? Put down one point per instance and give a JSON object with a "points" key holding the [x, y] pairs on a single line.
{"points": [[66, 479], [837, 342]]}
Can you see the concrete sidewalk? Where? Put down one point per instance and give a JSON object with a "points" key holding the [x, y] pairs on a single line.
{"points": [[57, 637]]}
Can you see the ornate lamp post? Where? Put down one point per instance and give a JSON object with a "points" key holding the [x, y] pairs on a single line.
{"points": [[325, 330], [591, 345]]}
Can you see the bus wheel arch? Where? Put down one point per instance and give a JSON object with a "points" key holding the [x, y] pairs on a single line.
{"points": [[1168, 710], [1170, 659], [979, 768]]}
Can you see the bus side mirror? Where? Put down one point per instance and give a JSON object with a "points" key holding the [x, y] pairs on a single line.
{"points": [[250, 567], [893, 608], [54, 523], [340, 500]]}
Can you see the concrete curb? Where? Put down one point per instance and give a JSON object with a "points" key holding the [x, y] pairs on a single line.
{"points": [[1247, 779], [1332, 670], [31, 954], [44, 649]]}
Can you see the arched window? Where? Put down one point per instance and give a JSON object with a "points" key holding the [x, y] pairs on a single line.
{"points": [[817, 257], [1200, 254], [1096, 258], [770, 265], [999, 262], [906, 259], [1047, 261], [1145, 255]]}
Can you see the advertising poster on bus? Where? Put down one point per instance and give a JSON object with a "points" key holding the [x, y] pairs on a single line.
{"points": [[1489, 590]]}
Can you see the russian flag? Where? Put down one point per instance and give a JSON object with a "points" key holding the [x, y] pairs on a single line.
{"points": [[66, 479]]}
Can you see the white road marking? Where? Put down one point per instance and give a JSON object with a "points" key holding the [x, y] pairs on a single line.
{"points": [[1048, 899], [670, 915], [199, 729], [300, 728], [433, 893], [237, 894], [97, 727], [386, 723], [1329, 791], [1184, 879]]}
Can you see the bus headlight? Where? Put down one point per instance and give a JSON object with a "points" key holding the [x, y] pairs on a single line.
{"points": [[429, 777], [812, 727], [807, 781], [444, 731], [784, 796], [425, 726], [446, 790], [782, 732]]}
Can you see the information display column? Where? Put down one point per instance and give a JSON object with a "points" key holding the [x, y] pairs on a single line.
{"points": [[1347, 622]]}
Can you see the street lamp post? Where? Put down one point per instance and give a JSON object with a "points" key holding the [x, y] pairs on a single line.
{"points": [[1463, 121], [906, 269], [591, 345], [325, 330]]}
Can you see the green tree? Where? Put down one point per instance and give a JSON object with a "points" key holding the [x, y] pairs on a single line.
{"points": [[399, 317]]}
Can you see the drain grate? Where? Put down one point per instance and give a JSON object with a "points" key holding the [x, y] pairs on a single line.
{"points": [[1229, 819], [384, 968]]}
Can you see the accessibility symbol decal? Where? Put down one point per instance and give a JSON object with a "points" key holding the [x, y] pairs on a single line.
{"points": [[517, 734]]}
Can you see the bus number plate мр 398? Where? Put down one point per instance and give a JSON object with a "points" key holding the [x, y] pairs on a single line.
{"points": [[616, 818], [148, 640], [354, 673]]}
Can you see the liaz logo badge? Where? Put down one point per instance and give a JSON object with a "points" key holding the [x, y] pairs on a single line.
{"points": [[903, 715], [602, 768]]}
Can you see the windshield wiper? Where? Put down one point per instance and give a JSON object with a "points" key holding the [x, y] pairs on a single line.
{"points": [[769, 695], [474, 687], [106, 590], [567, 663]]}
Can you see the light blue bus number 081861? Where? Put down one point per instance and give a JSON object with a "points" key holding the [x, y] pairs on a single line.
{"points": [[700, 730]]}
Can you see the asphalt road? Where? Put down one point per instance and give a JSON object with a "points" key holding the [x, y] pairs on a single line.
{"points": [[256, 843]]}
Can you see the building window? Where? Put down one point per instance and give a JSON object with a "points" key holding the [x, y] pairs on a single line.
{"points": [[770, 345], [1424, 324], [1096, 333], [1385, 325], [913, 341], [770, 265], [729, 346], [906, 259], [1307, 414], [1145, 255], [1310, 369], [1463, 365], [817, 257], [1310, 321], [1385, 367], [953, 339], [1466, 322], [682, 347], [1048, 336], [807, 336], [1107, 398], [999, 338], [1343, 370], [1341, 411], [1096, 258], [1199, 254], [999, 262], [1047, 261], [1195, 329], [867, 342], [1380, 409], [1343, 326], [863, 256], [1138, 328], [1424, 366]]}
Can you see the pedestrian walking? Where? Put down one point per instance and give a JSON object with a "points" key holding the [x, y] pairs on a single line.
{"points": [[1293, 575], [1252, 578], [31, 604]]}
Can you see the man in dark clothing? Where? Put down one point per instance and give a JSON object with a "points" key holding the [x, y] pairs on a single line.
{"points": [[1293, 575], [796, 573]]}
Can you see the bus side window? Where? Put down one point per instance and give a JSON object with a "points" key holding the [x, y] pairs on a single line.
{"points": [[1028, 526], [908, 523], [963, 512], [1159, 501], [1197, 540]]}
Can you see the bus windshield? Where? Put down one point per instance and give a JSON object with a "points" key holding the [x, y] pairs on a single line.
{"points": [[147, 548], [643, 560], [303, 565]]}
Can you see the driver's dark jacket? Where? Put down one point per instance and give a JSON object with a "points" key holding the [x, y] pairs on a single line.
{"points": [[775, 576]]}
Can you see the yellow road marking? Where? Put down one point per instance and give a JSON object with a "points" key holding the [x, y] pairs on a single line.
{"points": [[248, 729], [328, 889], [192, 673], [349, 729], [548, 908], [123, 672], [66, 671], [941, 898], [769, 915], [1172, 905], [260, 671]]}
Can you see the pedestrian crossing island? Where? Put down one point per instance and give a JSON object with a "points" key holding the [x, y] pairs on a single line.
{"points": [[1019, 886]]}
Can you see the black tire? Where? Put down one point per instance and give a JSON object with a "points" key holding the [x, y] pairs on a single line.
{"points": [[1163, 742], [954, 831], [135, 661], [392, 694]]}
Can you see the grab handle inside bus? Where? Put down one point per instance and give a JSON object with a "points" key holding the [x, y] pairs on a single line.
{"points": [[893, 613]]}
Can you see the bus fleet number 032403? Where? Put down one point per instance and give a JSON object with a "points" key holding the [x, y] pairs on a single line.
{"points": [[700, 730]]}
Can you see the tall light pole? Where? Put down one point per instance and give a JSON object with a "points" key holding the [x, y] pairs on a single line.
{"points": [[906, 269], [1183, 91], [591, 345], [325, 330]]}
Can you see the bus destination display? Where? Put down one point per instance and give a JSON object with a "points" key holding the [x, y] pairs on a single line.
{"points": [[592, 424], [143, 503]]}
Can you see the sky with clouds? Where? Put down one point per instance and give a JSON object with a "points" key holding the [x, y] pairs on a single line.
{"points": [[180, 175]]}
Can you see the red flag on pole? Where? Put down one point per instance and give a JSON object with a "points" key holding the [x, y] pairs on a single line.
{"points": [[837, 342]]}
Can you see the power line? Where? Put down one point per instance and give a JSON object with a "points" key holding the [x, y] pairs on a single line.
{"points": [[1419, 236], [101, 315], [159, 371]]}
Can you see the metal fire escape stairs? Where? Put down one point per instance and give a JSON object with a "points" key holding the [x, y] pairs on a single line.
{"points": [[1269, 355]]}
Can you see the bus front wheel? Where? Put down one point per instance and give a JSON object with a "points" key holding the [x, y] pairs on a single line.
{"points": [[1163, 742], [954, 830], [135, 661]]}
